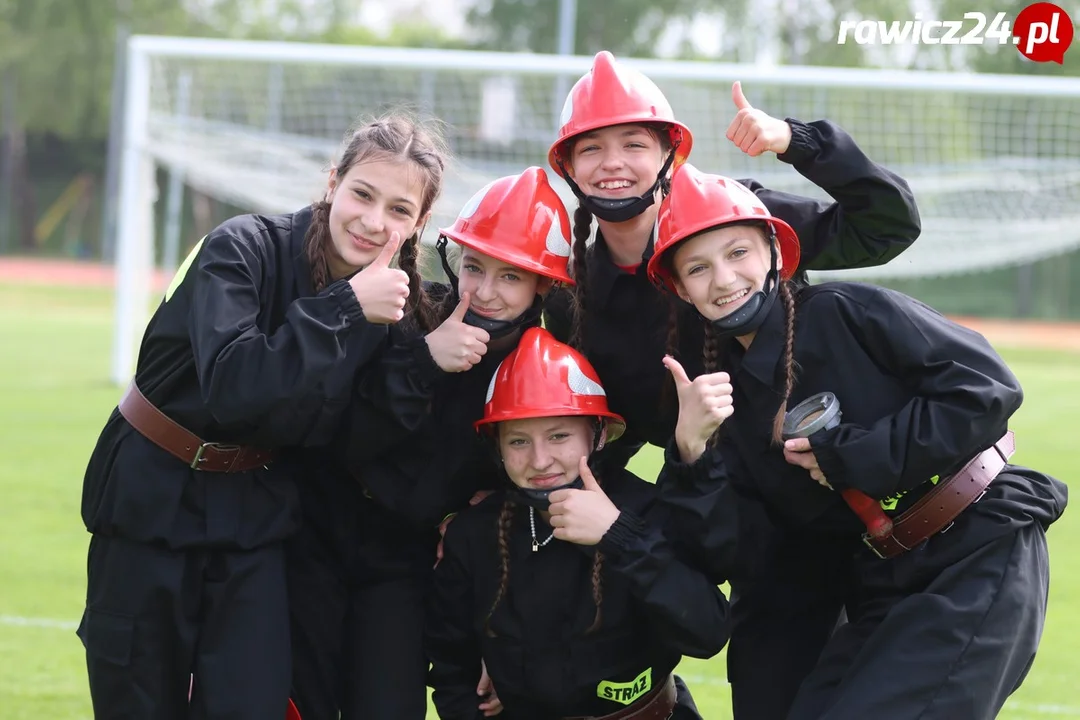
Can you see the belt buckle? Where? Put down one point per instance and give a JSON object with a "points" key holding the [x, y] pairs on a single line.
{"points": [[873, 548], [202, 448], [903, 548]]}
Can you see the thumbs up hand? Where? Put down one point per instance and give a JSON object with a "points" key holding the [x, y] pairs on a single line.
{"points": [[455, 346], [582, 516], [704, 403], [754, 131], [380, 289]]}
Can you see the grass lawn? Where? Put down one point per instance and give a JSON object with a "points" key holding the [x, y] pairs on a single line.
{"points": [[55, 397]]}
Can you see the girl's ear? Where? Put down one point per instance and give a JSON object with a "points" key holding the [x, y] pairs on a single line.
{"points": [[567, 163], [603, 436], [543, 284]]}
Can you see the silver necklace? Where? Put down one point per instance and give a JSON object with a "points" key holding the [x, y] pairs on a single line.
{"points": [[532, 526]]}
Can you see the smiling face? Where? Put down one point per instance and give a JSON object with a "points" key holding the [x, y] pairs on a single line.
{"points": [[373, 200], [719, 269], [497, 290], [544, 453], [616, 162]]}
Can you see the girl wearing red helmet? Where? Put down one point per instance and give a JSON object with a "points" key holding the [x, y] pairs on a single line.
{"points": [[561, 583], [946, 599], [617, 145], [409, 456]]}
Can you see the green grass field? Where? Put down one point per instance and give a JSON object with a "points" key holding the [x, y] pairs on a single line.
{"points": [[54, 397]]}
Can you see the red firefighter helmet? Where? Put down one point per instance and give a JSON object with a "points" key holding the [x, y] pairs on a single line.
{"points": [[613, 94], [698, 202], [520, 220], [542, 377], [291, 713]]}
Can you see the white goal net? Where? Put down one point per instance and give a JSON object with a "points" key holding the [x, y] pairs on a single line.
{"points": [[994, 160]]}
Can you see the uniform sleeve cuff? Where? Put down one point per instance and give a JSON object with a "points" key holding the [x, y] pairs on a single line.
{"points": [[341, 291], [427, 370], [622, 534], [694, 473], [828, 459], [804, 143]]}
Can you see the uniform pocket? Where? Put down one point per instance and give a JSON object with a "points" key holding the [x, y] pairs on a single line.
{"points": [[107, 636]]}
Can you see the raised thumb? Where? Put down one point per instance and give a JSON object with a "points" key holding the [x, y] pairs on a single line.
{"points": [[388, 250], [461, 309], [738, 98], [587, 478], [677, 371]]}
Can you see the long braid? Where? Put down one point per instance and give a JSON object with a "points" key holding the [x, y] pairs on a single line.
{"points": [[505, 518], [711, 358], [419, 305], [582, 230], [316, 240], [597, 589], [789, 360], [710, 349], [671, 344], [671, 347]]}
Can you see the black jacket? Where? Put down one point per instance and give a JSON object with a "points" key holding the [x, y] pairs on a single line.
{"points": [[625, 334], [655, 609], [241, 350]]}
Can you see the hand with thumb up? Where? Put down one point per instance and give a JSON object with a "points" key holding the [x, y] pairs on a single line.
{"points": [[755, 131], [582, 516], [455, 346], [704, 403], [380, 289]]}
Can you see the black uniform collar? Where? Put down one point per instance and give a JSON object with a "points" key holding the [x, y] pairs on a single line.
{"points": [[765, 353], [603, 272], [301, 221]]}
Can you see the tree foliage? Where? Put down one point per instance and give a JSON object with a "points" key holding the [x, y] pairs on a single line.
{"points": [[62, 52], [625, 27]]}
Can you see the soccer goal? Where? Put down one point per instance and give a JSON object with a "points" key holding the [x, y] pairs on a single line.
{"points": [[994, 160]]}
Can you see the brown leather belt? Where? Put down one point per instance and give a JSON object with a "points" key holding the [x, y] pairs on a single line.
{"points": [[936, 510], [174, 439], [657, 704]]}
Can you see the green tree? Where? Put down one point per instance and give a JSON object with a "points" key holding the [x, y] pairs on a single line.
{"points": [[625, 27]]}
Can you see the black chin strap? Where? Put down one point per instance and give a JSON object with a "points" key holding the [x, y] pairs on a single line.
{"points": [[440, 245], [621, 209], [501, 328]]}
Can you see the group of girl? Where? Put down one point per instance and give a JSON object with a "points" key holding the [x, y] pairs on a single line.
{"points": [[307, 419]]}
